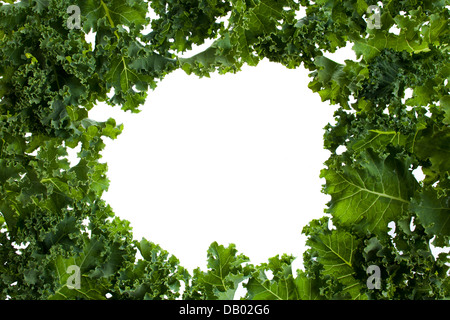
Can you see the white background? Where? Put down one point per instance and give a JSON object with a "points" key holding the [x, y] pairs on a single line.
{"points": [[233, 158]]}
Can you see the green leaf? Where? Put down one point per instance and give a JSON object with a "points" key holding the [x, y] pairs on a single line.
{"points": [[89, 288], [445, 105], [63, 188], [369, 194], [433, 211], [64, 233], [116, 12], [409, 39], [331, 77], [225, 272], [157, 277], [308, 288], [51, 77], [378, 140], [282, 285], [336, 251], [207, 61], [436, 29], [433, 144]]}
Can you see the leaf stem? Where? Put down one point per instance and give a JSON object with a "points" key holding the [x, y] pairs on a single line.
{"points": [[111, 22]]}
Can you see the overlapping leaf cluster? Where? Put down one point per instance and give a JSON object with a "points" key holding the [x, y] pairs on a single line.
{"points": [[52, 215]]}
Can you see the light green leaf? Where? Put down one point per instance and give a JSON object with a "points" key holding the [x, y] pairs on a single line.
{"points": [[308, 288], [63, 188], [445, 105], [67, 278], [156, 277], [225, 272], [115, 11], [282, 285], [369, 194], [433, 144], [378, 140], [336, 251], [433, 211]]}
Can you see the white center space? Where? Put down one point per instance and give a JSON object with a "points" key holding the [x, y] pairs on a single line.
{"points": [[233, 158]]}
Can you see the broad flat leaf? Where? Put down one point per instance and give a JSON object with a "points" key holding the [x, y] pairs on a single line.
{"points": [[434, 144], [369, 194], [225, 272], [257, 21], [207, 61], [445, 105], [132, 69], [307, 288], [280, 287], [436, 28], [336, 82], [336, 251], [330, 75], [378, 140], [368, 48], [410, 38], [252, 21], [91, 289], [433, 211], [63, 188], [86, 261], [115, 11]]}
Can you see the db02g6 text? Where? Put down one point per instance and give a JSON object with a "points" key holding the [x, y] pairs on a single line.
{"points": [[245, 309]]}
